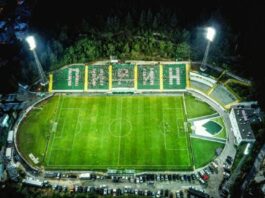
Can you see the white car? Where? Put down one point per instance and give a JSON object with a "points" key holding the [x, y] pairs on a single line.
{"points": [[105, 191], [158, 193], [226, 174]]}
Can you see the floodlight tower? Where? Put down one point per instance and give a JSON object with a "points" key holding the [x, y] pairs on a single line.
{"points": [[210, 37], [32, 46]]}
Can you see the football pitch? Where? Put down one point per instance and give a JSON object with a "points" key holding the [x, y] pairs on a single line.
{"points": [[117, 132]]}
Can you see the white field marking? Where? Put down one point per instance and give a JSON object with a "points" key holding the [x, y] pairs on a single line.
{"points": [[184, 105], [120, 134], [60, 111], [164, 133], [60, 137], [97, 165], [178, 131], [171, 149], [75, 130], [172, 108], [70, 108], [48, 164], [48, 147], [78, 123], [120, 119], [165, 142], [54, 127], [189, 151], [57, 118]]}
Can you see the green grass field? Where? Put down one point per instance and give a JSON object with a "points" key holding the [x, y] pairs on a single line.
{"points": [[197, 108], [100, 132], [203, 151]]}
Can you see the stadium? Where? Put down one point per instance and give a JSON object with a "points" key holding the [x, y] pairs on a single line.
{"points": [[143, 116]]}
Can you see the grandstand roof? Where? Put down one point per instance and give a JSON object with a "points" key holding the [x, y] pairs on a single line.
{"points": [[244, 117], [33, 182], [12, 172]]}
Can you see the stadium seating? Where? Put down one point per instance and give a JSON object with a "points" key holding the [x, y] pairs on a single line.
{"points": [[148, 77], [122, 76], [118, 77], [98, 77], [69, 78], [174, 76]]}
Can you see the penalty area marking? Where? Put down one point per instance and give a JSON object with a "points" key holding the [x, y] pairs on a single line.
{"points": [[50, 140]]}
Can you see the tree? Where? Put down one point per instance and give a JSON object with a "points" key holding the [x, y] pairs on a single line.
{"points": [[183, 51], [155, 23], [63, 37], [84, 26], [129, 21], [126, 49], [142, 20], [149, 18], [111, 49], [173, 21]]}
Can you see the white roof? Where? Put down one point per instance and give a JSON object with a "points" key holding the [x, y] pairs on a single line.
{"points": [[10, 136], [33, 182], [84, 175], [8, 152]]}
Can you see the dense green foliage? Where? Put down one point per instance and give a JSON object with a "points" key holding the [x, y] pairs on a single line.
{"points": [[144, 46], [145, 35]]}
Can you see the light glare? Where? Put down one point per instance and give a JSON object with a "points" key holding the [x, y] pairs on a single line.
{"points": [[31, 42], [246, 151], [210, 33]]}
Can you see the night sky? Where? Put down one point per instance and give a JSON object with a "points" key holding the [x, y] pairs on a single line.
{"points": [[246, 19]]}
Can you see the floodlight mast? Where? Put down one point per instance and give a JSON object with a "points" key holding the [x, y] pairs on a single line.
{"points": [[32, 46], [210, 37]]}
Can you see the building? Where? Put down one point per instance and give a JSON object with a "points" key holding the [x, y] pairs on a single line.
{"points": [[10, 136], [241, 117], [9, 153], [12, 172], [4, 121], [1, 171], [33, 182]]}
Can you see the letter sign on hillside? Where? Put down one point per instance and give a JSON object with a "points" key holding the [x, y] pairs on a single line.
{"points": [[175, 75], [123, 75], [149, 76], [76, 73], [96, 77]]}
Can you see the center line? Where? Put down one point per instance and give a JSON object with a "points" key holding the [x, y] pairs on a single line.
{"points": [[120, 135]]}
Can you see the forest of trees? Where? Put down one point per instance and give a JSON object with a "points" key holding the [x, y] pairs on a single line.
{"points": [[144, 35]]}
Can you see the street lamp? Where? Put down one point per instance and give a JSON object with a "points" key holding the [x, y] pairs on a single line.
{"points": [[32, 46], [247, 149], [210, 37]]}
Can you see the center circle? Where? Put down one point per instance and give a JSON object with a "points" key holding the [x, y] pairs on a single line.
{"points": [[120, 127]]}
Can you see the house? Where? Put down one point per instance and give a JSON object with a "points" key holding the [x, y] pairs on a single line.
{"points": [[241, 117]]}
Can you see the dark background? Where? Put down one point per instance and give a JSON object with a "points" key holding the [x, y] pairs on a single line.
{"points": [[245, 18]]}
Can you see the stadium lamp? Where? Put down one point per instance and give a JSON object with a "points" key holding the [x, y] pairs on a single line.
{"points": [[32, 46], [31, 41], [210, 33], [210, 37]]}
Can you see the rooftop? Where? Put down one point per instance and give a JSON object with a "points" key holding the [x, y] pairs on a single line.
{"points": [[244, 117]]}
